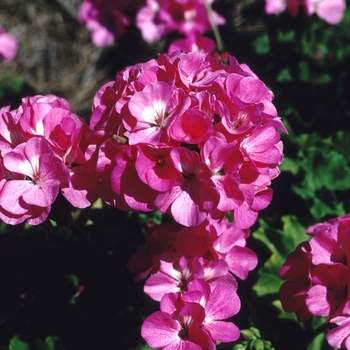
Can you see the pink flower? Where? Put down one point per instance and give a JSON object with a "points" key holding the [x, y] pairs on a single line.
{"points": [[8, 46], [199, 138], [318, 278], [293, 293], [175, 272], [181, 331], [219, 304], [189, 202], [339, 337], [330, 11], [50, 118], [37, 174]]}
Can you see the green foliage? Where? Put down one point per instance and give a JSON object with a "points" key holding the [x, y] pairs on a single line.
{"points": [[253, 341], [9, 84], [321, 170], [279, 244], [50, 343], [16, 343]]}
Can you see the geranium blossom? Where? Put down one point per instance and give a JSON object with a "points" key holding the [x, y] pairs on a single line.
{"points": [[318, 278], [35, 176], [181, 331], [175, 113], [48, 119]]}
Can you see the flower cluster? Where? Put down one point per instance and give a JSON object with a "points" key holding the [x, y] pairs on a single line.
{"points": [[42, 150], [108, 19], [183, 134], [192, 275], [330, 11], [188, 136], [318, 278], [8, 46], [160, 17]]}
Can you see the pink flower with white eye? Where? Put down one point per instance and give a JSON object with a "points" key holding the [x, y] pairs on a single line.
{"points": [[181, 331], [175, 272], [8, 46], [41, 174], [152, 109]]}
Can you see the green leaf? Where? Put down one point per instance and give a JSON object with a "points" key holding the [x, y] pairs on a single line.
{"points": [[262, 44], [53, 343], [280, 243], [16, 343]]}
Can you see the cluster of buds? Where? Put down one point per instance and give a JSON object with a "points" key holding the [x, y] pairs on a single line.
{"points": [[318, 278]]}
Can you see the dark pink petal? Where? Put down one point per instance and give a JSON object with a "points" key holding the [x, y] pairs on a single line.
{"points": [[222, 331], [223, 303], [160, 329]]}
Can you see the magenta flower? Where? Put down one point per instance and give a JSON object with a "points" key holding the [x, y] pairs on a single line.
{"points": [[51, 119], [293, 293], [195, 137], [318, 278], [37, 176], [160, 17], [189, 202], [339, 337], [175, 272], [8, 46], [219, 304], [181, 331]]}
